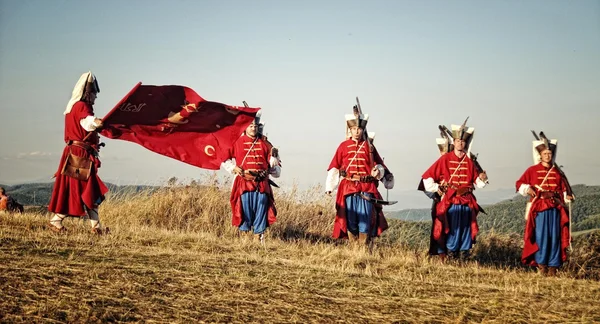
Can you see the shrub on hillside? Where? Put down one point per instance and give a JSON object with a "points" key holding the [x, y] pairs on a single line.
{"points": [[503, 250], [584, 261]]}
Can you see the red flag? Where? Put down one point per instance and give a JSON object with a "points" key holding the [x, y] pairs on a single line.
{"points": [[175, 121]]}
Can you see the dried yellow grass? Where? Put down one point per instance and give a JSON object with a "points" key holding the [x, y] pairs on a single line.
{"points": [[173, 256]]}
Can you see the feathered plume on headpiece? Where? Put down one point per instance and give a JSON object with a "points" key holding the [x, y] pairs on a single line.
{"points": [[260, 127], [355, 119], [444, 142], [256, 120], [541, 144], [462, 132], [463, 128]]}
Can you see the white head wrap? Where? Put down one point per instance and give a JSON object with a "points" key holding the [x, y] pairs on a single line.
{"points": [[79, 89]]}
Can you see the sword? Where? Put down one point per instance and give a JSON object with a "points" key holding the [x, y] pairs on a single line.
{"points": [[373, 231], [570, 235], [387, 191], [271, 182], [377, 201]]}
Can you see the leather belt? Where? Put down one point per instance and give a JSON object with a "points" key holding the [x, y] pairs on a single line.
{"points": [[248, 176], [548, 195], [356, 177], [86, 146], [461, 191]]}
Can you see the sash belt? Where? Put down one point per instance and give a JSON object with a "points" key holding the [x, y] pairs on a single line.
{"points": [[548, 195], [364, 179], [84, 146]]}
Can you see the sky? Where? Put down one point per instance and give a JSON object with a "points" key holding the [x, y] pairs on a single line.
{"points": [[511, 66]]}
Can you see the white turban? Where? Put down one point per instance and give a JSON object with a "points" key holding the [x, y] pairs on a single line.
{"points": [[79, 89]]}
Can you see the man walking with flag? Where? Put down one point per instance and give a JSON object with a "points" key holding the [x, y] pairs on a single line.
{"points": [[358, 164], [252, 160], [547, 235], [78, 191], [454, 176]]}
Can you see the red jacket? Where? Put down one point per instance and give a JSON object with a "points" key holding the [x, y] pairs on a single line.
{"points": [[457, 173], [69, 195], [355, 158], [250, 154], [552, 181]]}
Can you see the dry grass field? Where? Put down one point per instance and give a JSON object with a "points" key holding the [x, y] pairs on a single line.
{"points": [[173, 256]]}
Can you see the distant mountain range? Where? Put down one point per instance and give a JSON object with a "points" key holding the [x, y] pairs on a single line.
{"points": [[508, 215], [38, 194]]}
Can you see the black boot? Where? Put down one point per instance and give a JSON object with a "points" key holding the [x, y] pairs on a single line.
{"points": [[454, 255]]}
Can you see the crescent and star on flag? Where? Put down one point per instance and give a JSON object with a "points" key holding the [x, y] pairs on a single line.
{"points": [[177, 119]]}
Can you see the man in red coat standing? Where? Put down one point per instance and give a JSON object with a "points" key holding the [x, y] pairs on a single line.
{"points": [[547, 234], [253, 160], [77, 189], [454, 177], [359, 166]]}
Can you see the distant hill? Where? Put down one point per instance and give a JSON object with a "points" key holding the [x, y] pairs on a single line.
{"points": [[38, 194], [508, 216], [412, 214]]}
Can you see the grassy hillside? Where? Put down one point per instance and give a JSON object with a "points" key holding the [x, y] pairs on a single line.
{"points": [[174, 257]]}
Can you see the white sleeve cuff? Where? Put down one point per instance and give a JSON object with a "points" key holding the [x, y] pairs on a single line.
{"points": [[389, 184], [565, 197], [381, 171], [275, 168], [88, 123], [228, 165], [523, 189], [479, 183], [333, 179], [273, 162], [275, 171], [430, 185]]}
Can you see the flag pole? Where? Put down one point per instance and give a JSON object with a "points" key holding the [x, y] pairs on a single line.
{"points": [[115, 108]]}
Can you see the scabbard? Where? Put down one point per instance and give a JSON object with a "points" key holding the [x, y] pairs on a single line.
{"points": [[377, 201]]}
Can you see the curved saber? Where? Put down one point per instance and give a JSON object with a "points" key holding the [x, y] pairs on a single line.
{"points": [[570, 232], [377, 201]]}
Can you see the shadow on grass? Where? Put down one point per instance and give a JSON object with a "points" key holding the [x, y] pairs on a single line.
{"points": [[293, 233]]}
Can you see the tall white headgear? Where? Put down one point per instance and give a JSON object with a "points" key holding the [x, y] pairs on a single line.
{"points": [[85, 80]]}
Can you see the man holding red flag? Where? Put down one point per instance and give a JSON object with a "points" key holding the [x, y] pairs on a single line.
{"points": [[252, 160], [77, 189]]}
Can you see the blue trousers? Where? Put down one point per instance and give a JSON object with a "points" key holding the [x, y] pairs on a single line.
{"points": [[459, 221], [254, 211], [547, 237], [358, 214]]}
